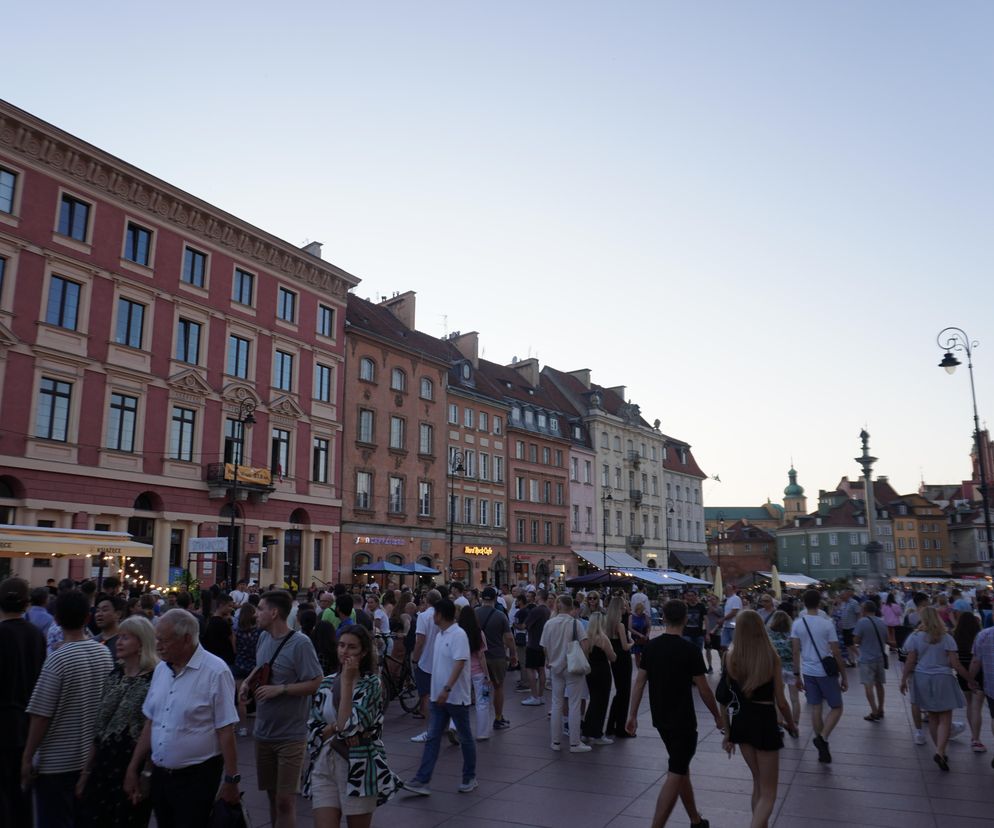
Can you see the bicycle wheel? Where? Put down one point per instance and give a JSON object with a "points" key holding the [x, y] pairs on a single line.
{"points": [[388, 689], [408, 695]]}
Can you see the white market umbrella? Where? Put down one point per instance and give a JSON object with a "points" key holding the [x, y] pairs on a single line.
{"points": [[775, 579], [718, 587]]}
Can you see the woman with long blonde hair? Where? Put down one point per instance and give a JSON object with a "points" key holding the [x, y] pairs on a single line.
{"points": [[598, 680], [930, 672], [754, 675], [621, 667]]}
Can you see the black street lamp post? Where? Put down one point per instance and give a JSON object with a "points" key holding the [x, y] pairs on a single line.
{"points": [[604, 513], [245, 417], [956, 339], [455, 467], [669, 511]]}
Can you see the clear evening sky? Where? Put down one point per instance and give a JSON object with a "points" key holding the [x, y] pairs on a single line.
{"points": [[756, 215]]}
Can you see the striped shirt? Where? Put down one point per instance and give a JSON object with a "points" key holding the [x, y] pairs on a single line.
{"points": [[68, 692]]}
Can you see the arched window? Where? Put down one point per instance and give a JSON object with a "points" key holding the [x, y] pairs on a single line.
{"points": [[367, 370], [398, 380], [300, 516], [427, 389]]}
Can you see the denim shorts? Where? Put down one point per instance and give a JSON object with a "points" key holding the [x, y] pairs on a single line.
{"points": [[826, 689]]}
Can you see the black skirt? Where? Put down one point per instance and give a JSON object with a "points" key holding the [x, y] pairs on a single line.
{"points": [[756, 725]]}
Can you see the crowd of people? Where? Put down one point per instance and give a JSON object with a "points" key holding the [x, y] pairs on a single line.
{"points": [[123, 706]]}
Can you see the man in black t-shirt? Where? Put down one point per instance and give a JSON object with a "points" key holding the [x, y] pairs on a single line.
{"points": [[696, 611], [673, 666]]}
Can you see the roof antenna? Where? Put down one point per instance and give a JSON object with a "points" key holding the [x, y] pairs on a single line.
{"points": [[445, 326]]}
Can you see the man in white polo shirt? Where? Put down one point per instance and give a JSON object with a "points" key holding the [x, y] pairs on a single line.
{"points": [[189, 729]]}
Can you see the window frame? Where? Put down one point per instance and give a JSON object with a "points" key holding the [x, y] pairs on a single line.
{"points": [[70, 199], [287, 299], [238, 278], [133, 233], [283, 370], [125, 411], [364, 363], [180, 429], [205, 257], [125, 315], [54, 394]]}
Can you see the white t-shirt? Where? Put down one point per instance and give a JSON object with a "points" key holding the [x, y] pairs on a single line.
{"points": [[461, 601], [451, 645], [557, 634], [381, 620], [238, 597], [732, 603], [823, 630], [426, 627]]}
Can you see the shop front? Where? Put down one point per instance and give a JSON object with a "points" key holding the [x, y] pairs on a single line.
{"points": [[480, 565], [361, 551]]}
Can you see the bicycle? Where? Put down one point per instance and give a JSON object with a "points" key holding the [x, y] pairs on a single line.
{"points": [[397, 679]]}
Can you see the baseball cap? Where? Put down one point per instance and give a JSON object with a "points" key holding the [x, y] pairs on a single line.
{"points": [[962, 605], [489, 593]]}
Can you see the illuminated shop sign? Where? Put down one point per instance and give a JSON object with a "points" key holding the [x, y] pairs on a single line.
{"points": [[478, 550], [380, 541]]}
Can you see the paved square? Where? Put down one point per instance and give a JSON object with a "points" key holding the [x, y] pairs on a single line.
{"points": [[877, 777]]}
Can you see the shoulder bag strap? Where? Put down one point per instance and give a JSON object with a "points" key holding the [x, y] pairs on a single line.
{"points": [[817, 651], [880, 641], [282, 644]]}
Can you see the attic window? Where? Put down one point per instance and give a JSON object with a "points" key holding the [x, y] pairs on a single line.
{"points": [[467, 371]]}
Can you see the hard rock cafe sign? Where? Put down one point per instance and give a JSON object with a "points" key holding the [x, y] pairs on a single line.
{"points": [[478, 550]]}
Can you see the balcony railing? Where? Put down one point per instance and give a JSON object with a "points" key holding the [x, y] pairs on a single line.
{"points": [[636, 496], [634, 457], [250, 478], [636, 541]]}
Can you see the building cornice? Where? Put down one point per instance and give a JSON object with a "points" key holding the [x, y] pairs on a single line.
{"points": [[44, 145]]}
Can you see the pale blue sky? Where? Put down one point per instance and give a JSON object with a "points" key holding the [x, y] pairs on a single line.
{"points": [[755, 215]]}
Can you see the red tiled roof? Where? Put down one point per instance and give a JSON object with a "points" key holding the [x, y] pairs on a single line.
{"points": [[362, 315]]}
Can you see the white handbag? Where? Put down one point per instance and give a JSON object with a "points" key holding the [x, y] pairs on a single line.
{"points": [[576, 660]]}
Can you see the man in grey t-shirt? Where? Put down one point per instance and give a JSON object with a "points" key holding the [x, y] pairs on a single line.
{"points": [[868, 638], [282, 706]]}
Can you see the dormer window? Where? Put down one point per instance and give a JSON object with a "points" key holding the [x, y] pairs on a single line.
{"points": [[542, 420], [529, 417], [554, 424], [467, 371]]}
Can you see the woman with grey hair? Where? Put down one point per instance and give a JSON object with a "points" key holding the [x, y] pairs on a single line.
{"points": [[119, 724]]}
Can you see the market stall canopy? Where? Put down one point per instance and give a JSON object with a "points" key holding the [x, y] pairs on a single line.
{"points": [[612, 561], [599, 578], [48, 542], [791, 579], [685, 558], [625, 565], [419, 569], [668, 578], [382, 566]]}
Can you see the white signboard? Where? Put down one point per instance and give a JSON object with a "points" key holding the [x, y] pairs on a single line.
{"points": [[215, 545]]}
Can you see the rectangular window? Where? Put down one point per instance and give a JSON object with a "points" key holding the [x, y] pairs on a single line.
{"points": [[815, 540], [318, 550], [8, 181], [534, 531], [469, 458], [520, 530], [283, 371], [498, 425], [587, 471], [194, 267], [655, 526], [121, 422], [484, 466], [560, 494], [519, 488], [52, 418], [188, 341], [74, 218], [175, 546], [533, 491], [498, 514], [483, 421], [234, 431], [397, 432], [326, 321], [484, 513], [590, 520], [546, 455], [279, 457], [319, 464], [453, 414], [138, 244], [365, 434], [834, 557], [853, 538], [453, 509], [547, 532], [63, 303], [559, 458], [469, 510], [519, 450], [238, 357], [498, 469], [424, 498], [576, 518], [322, 382], [833, 539], [286, 305], [532, 453], [181, 434], [816, 559], [560, 527], [467, 418], [618, 525], [130, 323], [363, 490], [426, 439], [574, 468], [243, 286], [617, 477], [395, 495]]}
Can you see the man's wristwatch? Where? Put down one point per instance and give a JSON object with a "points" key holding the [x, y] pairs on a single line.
{"points": [[447, 689], [233, 780]]}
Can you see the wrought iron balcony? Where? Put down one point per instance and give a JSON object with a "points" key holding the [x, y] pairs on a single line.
{"points": [[254, 480], [636, 541], [636, 496], [634, 457]]}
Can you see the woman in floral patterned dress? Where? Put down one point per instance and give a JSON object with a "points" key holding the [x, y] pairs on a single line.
{"points": [[119, 724], [348, 772]]}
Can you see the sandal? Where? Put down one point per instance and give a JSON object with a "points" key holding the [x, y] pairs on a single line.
{"points": [[872, 717]]}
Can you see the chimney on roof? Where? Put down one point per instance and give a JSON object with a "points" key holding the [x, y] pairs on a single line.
{"points": [[401, 305], [583, 375], [468, 344], [619, 390], [528, 368], [314, 248]]}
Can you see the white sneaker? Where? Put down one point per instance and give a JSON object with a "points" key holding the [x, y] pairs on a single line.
{"points": [[556, 746], [421, 737], [469, 787], [956, 728], [919, 738], [531, 701], [603, 740], [580, 748], [243, 731]]}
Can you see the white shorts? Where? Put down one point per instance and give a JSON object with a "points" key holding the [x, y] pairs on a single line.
{"points": [[329, 787]]}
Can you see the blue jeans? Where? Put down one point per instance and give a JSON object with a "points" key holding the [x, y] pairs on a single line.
{"points": [[438, 721]]}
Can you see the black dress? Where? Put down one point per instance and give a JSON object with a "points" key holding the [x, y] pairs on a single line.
{"points": [[622, 672], [599, 684], [119, 725], [753, 721]]}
